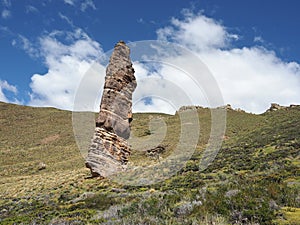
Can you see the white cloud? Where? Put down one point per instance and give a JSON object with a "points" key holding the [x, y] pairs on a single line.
{"points": [[196, 32], [166, 86], [5, 31], [5, 86], [258, 39], [31, 9], [84, 4], [70, 2], [87, 4], [67, 19], [6, 14], [250, 77], [67, 64], [26, 45], [6, 3], [141, 20], [157, 105]]}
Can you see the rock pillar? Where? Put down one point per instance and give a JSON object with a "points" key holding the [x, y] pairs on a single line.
{"points": [[109, 150]]}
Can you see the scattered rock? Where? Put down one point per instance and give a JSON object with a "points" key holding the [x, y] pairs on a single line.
{"points": [[152, 190], [112, 215], [42, 166], [226, 107], [4, 210], [155, 152], [237, 216], [231, 193], [185, 208], [240, 110], [118, 190], [50, 139], [109, 150], [84, 196], [273, 205]]}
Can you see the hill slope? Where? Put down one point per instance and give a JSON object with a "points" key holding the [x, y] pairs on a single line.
{"points": [[254, 178]]}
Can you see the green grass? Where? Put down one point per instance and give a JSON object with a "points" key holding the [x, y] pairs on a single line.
{"points": [[254, 179]]}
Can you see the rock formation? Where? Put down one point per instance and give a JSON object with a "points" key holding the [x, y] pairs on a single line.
{"points": [[275, 107], [109, 150]]}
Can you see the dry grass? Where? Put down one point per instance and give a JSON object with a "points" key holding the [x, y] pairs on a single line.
{"points": [[260, 152]]}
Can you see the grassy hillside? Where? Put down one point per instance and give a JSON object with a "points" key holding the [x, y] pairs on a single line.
{"points": [[253, 180]]}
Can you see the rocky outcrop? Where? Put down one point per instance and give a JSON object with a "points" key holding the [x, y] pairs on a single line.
{"points": [[190, 107], [275, 107], [294, 106], [228, 107], [109, 150]]}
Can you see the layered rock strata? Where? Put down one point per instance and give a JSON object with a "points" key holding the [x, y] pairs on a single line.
{"points": [[109, 150]]}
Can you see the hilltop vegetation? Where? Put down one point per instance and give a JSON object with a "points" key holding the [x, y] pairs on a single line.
{"points": [[253, 180]]}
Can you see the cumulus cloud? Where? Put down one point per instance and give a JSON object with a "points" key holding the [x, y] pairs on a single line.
{"points": [[252, 78], [6, 87], [67, 64], [196, 32], [152, 92], [165, 88], [249, 77]]}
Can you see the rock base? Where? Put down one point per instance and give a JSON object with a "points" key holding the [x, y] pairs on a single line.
{"points": [[108, 153]]}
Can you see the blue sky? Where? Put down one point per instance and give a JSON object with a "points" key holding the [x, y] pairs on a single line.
{"points": [[48, 44]]}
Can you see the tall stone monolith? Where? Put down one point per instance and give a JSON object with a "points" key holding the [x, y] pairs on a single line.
{"points": [[109, 150]]}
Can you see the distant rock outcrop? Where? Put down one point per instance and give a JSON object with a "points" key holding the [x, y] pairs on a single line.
{"points": [[190, 107], [275, 107], [109, 150], [228, 107]]}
